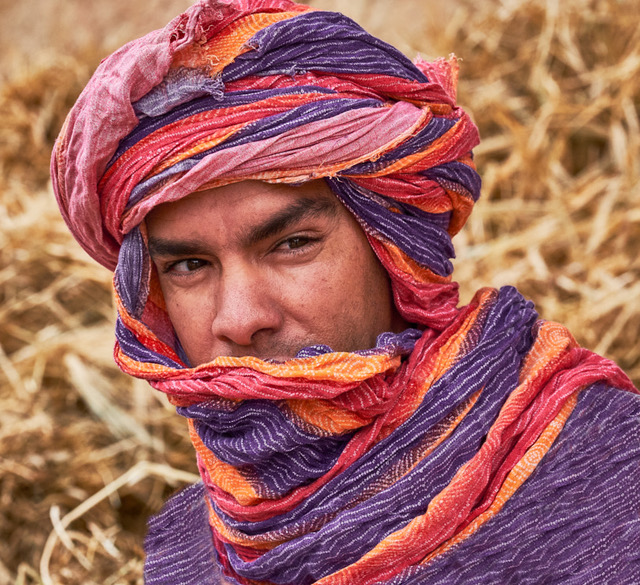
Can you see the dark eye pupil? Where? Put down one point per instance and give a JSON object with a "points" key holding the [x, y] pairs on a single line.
{"points": [[297, 242], [193, 264]]}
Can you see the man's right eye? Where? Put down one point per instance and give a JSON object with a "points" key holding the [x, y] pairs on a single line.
{"points": [[186, 266]]}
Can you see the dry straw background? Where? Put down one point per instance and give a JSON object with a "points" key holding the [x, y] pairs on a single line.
{"points": [[86, 454]]}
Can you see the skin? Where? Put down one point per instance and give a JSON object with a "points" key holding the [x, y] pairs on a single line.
{"points": [[258, 269]]}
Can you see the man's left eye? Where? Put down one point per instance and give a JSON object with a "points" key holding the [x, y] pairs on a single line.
{"points": [[296, 242], [297, 245]]}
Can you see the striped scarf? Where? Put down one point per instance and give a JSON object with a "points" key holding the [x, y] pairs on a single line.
{"points": [[330, 468]]}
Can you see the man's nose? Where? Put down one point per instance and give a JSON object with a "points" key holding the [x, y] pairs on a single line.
{"points": [[246, 310]]}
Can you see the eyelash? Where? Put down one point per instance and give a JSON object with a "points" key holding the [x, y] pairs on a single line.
{"points": [[306, 241], [171, 267]]}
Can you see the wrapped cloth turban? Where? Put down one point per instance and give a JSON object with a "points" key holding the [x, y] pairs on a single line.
{"points": [[228, 92], [359, 468]]}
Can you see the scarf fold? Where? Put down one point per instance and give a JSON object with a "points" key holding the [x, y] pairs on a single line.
{"points": [[330, 468]]}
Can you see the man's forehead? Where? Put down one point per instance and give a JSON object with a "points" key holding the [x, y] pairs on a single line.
{"points": [[255, 211], [245, 197]]}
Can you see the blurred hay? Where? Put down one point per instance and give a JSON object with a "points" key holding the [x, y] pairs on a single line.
{"points": [[555, 89], [86, 454]]}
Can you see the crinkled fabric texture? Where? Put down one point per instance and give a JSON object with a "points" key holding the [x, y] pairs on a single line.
{"points": [[376, 466], [228, 92], [573, 522]]}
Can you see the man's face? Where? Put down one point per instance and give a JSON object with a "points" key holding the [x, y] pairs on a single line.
{"points": [[258, 269]]}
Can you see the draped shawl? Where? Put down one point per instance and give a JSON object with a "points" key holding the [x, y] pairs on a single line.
{"points": [[467, 448]]}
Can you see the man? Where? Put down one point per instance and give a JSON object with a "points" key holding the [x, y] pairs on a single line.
{"points": [[265, 269], [276, 191]]}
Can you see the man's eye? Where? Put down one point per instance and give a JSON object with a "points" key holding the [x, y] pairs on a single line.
{"points": [[186, 266], [295, 242]]}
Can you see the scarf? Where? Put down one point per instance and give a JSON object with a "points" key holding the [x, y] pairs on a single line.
{"points": [[333, 467]]}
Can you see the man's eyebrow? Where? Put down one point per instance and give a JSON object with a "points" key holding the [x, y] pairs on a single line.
{"points": [[297, 211], [166, 247], [300, 209]]}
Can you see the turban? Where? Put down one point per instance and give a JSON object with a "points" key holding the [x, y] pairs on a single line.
{"points": [[333, 467]]}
